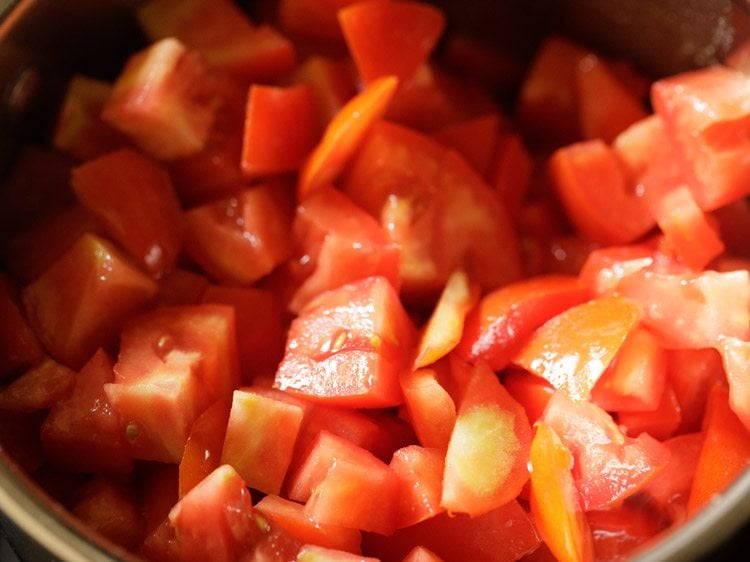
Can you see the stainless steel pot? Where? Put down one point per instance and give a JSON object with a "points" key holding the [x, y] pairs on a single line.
{"points": [[43, 41]]}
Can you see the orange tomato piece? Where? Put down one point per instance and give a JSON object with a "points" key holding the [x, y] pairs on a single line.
{"points": [[344, 134]]}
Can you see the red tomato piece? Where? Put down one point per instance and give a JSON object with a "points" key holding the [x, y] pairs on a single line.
{"points": [[606, 107], [161, 101], [488, 452], [79, 130], [505, 317], [290, 517], [734, 227], [444, 328], [339, 243], [134, 199], [223, 34], [547, 102], [691, 374], [261, 327], [704, 114], [510, 171], [81, 301], [330, 81], [504, 534], [686, 228], [593, 188], [202, 453], [181, 287], [39, 388], [669, 489], [260, 438], [529, 390], [281, 127], [420, 473], [735, 356], [619, 531], [608, 466], [344, 134], [606, 267], [476, 139], [693, 310], [357, 491], [82, 432], [636, 378], [725, 453], [431, 409], [555, 504], [215, 520], [313, 19], [349, 346], [661, 422], [440, 210], [390, 38], [573, 349], [242, 238], [110, 510], [19, 347]]}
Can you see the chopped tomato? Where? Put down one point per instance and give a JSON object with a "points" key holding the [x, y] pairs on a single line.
{"points": [[81, 301], [420, 473], [390, 38], [529, 390], [476, 139], [573, 349], [692, 373], [555, 504], [485, 464], [349, 346], [39, 388], [134, 199], [735, 356], [620, 531], [504, 318], [431, 409], [608, 466], [19, 347], [661, 422]]}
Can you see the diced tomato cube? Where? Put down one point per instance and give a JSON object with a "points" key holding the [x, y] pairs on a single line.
{"points": [[431, 409], [242, 238], [692, 373], [313, 19], [83, 432], [134, 199], [314, 553], [349, 346], [39, 388], [79, 129], [291, 517], [260, 438], [661, 422], [81, 301], [281, 127], [390, 38], [161, 100], [706, 118], [110, 510], [502, 535], [19, 347], [181, 287], [608, 466], [735, 356], [223, 34], [339, 243], [330, 81], [421, 554], [476, 139], [420, 474], [511, 170], [529, 390], [621, 531]]}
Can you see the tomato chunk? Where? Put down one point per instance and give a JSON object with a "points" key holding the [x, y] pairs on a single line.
{"points": [[349, 346]]}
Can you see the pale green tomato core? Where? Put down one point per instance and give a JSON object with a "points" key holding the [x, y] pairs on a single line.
{"points": [[483, 448]]}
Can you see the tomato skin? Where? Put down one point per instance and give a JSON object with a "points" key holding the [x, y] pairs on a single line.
{"points": [[555, 505], [725, 453], [608, 466], [572, 350], [349, 346], [505, 317]]}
